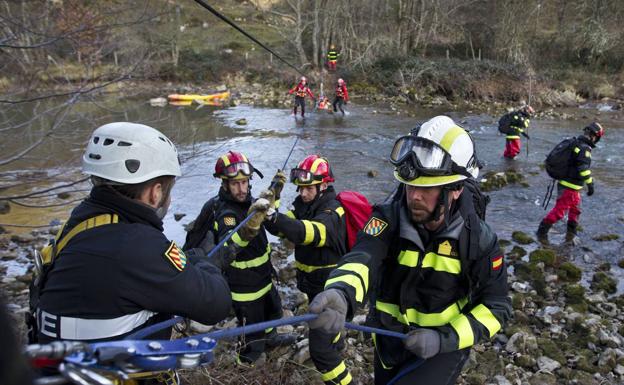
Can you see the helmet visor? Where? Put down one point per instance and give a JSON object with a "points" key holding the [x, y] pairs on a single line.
{"points": [[301, 176], [429, 157], [233, 169]]}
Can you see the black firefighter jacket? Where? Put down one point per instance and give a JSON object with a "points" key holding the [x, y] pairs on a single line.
{"points": [[318, 230], [579, 171], [114, 279], [419, 280]]}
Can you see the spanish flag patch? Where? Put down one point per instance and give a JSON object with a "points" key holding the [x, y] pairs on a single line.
{"points": [[375, 226], [497, 262], [229, 221], [176, 256]]}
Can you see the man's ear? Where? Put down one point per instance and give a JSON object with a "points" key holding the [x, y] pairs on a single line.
{"points": [[324, 186], [456, 193], [152, 195]]}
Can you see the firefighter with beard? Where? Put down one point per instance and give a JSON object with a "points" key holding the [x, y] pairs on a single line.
{"points": [[432, 280], [254, 296], [317, 227]]}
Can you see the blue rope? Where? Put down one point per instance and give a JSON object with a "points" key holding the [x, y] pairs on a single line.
{"points": [[148, 331], [411, 367]]}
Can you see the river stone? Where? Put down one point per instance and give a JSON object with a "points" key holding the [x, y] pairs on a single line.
{"points": [[606, 237], [501, 380], [23, 238], [619, 370], [568, 272], [525, 361], [607, 308], [521, 287], [287, 273], [521, 342], [548, 257], [5, 207], [607, 360], [547, 364], [609, 340], [522, 238], [178, 216], [302, 355], [602, 281], [543, 379], [241, 122], [372, 173]]}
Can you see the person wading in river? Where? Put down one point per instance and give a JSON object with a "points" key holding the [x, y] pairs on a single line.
{"points": [[431, 280], [300, 91], [513, 125], [577, 174]]}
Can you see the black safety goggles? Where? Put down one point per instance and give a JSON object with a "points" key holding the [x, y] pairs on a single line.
{"points": [[426, 156], [299, 175]]}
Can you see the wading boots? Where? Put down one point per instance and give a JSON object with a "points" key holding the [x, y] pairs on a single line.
{"points": [[542, 232]]}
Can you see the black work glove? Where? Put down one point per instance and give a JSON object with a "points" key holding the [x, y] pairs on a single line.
{"points": [[525, 135], [424, 343], [590, 189], [225, 255], [277, 184], [331, 306]]}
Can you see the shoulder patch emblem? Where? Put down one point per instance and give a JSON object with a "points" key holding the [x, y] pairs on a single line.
{"points": [[229, 221], [176, 256], [497, 262], [375, 226], [445, 248]]}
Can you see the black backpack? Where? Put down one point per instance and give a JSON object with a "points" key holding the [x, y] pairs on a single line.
{"points": [[559, 160], [504, 124]]}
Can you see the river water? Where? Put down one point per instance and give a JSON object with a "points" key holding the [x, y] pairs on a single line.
{"points": [[356, 145]]}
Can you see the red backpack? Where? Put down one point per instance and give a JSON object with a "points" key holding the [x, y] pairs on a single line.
{"points": [[358, 210]]}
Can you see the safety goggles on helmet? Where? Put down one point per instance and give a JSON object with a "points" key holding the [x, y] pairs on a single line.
{"points": [[234, 169], [423, 157], [303, 177]]}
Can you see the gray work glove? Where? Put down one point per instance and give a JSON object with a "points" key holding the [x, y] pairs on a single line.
{"points": [[331, 306], [424, 343], [251, 228]]}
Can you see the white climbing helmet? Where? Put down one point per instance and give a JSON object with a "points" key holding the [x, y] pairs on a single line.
{"points": [[130, 153], [440, 153]]}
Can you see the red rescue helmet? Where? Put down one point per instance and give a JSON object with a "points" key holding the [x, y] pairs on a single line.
{"points": [[234, 165], [596, 129], [312, 170], [528, 110], [340, 81]]}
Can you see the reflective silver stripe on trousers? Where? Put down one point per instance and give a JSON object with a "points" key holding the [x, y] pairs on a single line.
{"points": [[90, 329]]}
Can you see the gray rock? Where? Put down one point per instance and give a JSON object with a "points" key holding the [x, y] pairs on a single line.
{"points": [[501, 380], [521, 342], [23, 238], [547, 364], [619, 370], [302, 355], [178, 216], [596, 298], [287, 273], [241, 122], [200, 328], [607, 361], [609, 340], [521, 287]]}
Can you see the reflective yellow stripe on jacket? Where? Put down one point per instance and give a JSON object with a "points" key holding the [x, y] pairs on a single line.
{"points": [[415, 317], [310, 268], [248, 297], [356, 276], [432, 260], [259, 261]]}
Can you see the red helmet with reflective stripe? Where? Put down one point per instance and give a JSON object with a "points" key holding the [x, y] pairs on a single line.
{"points": [[340, 81], [312, 170], [234, 165], [596, 129]]}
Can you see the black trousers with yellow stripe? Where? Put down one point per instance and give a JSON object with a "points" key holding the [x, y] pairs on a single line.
{"points": [[441, 369], [265, 308], [325, 351]]}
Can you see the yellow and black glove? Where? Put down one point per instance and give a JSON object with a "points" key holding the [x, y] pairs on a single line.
{"points": [[259, 209], [277, 184]]}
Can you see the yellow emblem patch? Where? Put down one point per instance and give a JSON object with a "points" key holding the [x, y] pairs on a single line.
{"points": [[176, 256], [375, 226], [445, 248], [229, 221]]}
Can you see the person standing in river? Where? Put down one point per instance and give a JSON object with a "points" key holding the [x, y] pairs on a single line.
{"points": [[317, 227], [435, 268], [514, 124], [578, 173], [300, 91], [342, 96]]}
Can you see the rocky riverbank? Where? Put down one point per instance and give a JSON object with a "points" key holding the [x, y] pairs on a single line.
{"points": [[563, 331]]}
